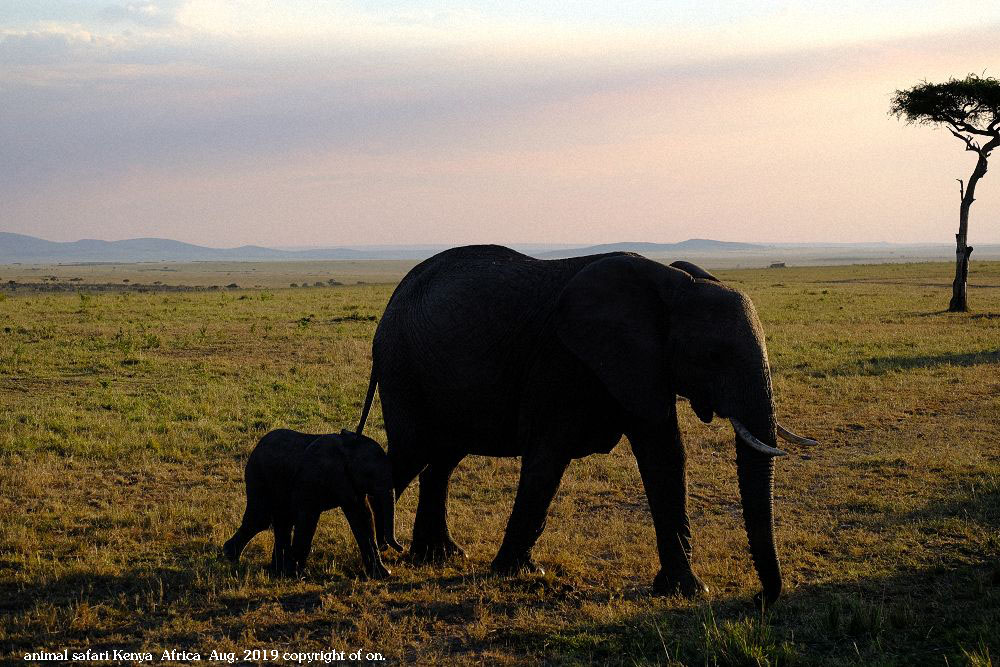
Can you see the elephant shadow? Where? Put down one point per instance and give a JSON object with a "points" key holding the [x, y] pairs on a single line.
{"points": [[153, 586], [875, 366], [936, 609], [916, 616], [142, 599]]}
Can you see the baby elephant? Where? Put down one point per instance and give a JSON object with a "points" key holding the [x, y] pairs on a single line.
{"points": [[292, 477]]}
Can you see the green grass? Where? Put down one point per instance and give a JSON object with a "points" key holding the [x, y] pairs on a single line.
{"points": [[126, 417]]}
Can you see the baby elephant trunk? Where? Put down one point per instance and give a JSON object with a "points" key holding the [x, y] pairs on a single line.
{"points": [[384, 508]]}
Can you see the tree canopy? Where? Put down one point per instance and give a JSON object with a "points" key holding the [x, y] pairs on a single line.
{"points": [[970, 105]]}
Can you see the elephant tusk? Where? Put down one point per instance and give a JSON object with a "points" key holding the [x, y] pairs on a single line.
{"points": [[747, 437], [792, 437]]}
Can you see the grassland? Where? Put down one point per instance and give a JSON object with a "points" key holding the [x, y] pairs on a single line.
{"points": [[101, 276], [126, 417]]}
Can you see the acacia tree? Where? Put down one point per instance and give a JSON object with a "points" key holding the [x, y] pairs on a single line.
{"points": [[970, 109]]}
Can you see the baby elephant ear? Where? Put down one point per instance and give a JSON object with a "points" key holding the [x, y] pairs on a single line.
{"points": [[328, 467], [614, 316]]}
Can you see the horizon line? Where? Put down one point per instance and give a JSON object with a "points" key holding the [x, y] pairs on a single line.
{"points": [[445, 244]]}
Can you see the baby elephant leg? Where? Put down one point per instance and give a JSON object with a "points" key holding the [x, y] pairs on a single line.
{"points": [[281, 558], [233, 547], [305, 528], [359, 516], [256, 519]]}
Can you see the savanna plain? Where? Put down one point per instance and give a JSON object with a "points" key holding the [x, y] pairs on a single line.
{"points": [[126, 417]]}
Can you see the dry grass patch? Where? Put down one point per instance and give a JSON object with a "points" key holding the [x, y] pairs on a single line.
{"points": [[125, 420]]}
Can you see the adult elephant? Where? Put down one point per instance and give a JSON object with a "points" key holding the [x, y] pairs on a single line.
{"points": [[483, 350]]}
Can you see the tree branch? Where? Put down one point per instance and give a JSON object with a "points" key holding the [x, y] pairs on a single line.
{"points": [[961, 188], [970, 145], [965, 127], [960, 123]]}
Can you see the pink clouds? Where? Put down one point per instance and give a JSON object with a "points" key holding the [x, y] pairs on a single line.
{"points": [[217, 146]]}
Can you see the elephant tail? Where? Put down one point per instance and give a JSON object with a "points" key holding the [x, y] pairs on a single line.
{"points": [[369, 397]]}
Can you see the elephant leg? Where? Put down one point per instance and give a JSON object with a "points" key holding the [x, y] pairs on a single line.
{"points": [[359, 517], [305, 528], [431, 538], [405, 467], [663, 468], [256, 518], [255, 521], [407, 443], [541, 471], [281, 561]]}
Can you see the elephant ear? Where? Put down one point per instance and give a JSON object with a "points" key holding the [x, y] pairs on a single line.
{"points": [[694, 271], [614, 316], [365, 461], [326, 469]]}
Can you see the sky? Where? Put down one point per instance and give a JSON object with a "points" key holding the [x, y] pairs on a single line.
{"points": [[307, 122]]}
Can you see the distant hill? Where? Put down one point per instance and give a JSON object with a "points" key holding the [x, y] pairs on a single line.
{"points": [[691, 245], [24, 249], [21, 248]]}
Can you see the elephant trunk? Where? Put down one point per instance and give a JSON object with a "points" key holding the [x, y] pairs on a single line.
{"points": [[384, 508], [756, 478], [755, 470]]}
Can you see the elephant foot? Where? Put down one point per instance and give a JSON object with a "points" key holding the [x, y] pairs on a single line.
{"points": [[228, 553], [286, 571], [505, 566], [763, 602], [394, 545], [379, 571], [686, 584], [423, 551]]}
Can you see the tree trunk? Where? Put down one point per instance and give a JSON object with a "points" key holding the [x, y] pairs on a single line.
{"points": [[959, 288]]}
